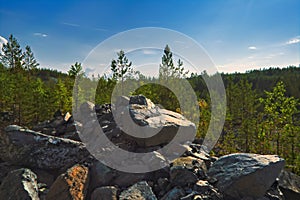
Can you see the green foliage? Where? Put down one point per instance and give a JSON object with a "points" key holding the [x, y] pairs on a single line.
{"points": [[262, 105], [167, 68], [30, 62], [278, 124], [76, 73], [12, 54]]}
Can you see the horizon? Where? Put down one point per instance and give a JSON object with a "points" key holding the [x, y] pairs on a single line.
{"points": [[238, 36]]}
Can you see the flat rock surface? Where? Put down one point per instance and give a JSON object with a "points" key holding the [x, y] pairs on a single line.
{"points": [[243, 175]]}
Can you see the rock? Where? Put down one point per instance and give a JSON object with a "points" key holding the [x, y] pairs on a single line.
{"points": [[28, 148], [5, 168], [71, 185], [158, 126], [274, 192], [202, 186], [44, 177], [195, 165], [183, 170], [126, 179], [105, 193], [162, 183], [162, 124], [101, 175], [289, 184], [140, 191], [174, 194], [139, 99], [180, 176], [189, 196], [20, 184], [57, 114], [243, 175]]}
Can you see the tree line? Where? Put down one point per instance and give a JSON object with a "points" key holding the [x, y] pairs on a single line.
{"points": [[262, 111]]}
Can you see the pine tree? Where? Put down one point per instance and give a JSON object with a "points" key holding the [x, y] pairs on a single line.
{"points": [[12, 54], [29, 61], [120, 67], [279, 110], [167, 68]]}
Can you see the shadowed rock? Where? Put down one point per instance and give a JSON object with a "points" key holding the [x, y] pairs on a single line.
{"points": [[28, 148], [105, 193], [19, 184], [289, 184]]}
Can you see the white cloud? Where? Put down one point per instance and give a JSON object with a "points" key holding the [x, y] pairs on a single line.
{"points": [[294, 40], [149, 52], [252, 48], [70, 24], [2, 41], [40, 34]]}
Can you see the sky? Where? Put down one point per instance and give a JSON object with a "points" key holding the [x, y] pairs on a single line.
{"points": [[238, 35]]}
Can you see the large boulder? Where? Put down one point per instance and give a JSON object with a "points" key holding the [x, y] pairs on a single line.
{"points": [[71, 185], [28, 148], [243, 175], [20, 184], [136, 115], [161, 124], [289, 184]]}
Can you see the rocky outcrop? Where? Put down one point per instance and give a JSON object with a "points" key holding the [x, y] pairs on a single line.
{"points": [[150, 125], [20, 184], [60, 168], [24, 147], [243, 175], [71, 185]]}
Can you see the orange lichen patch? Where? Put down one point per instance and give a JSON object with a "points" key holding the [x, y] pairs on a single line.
{"points": [[77, 178]]}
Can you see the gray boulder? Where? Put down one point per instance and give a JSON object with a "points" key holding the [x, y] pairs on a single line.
{"points": [[158, 126], [140, 191], [28, 148], [243, 175], [20, 184]]}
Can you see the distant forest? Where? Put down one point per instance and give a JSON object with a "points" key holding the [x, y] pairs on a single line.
{"points": [[262, 114]]}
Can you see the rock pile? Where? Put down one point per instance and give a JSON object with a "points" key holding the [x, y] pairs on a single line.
{"points": [[44, 164]]}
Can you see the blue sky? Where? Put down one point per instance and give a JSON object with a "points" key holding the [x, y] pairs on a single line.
{"points": [[238, 35]]}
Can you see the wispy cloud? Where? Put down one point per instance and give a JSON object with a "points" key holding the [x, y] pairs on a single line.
{"points": [[252, 48], [70, 24], [40, 35], [149, 52], [294, 40]]}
